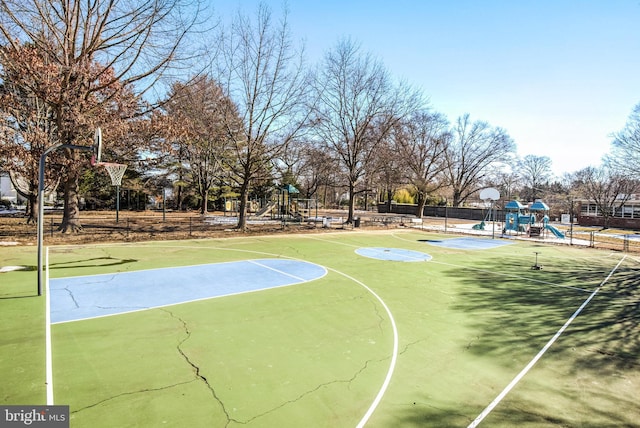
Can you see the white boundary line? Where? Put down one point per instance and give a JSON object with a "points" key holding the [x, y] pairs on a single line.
{"points": [[394, 355], [254, 262], [47, 326], [535, 359]]}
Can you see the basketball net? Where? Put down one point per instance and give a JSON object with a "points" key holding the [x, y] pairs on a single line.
{"points": [[115, 170]]}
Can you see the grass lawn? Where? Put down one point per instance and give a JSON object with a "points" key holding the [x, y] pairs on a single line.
{"points": [[448, 334]]}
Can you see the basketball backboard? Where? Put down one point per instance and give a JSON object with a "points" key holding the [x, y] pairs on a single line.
{"points": [[96, 158], [489, 194]]}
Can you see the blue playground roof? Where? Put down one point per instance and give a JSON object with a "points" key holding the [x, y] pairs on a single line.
{"points": [[539, 206], [290, 188], [514, 205]]}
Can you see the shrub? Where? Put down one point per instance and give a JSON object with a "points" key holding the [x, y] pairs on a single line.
{"points": [[402, 196]]}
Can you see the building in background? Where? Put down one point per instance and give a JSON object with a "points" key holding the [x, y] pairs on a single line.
{"points": [[626, 216], [7, 191]]}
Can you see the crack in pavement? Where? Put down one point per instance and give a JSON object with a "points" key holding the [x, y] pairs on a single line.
{"points": [[196, 368], [381, 319], [406, 347], [141, 391], [199, 377], [75, 302], [311, 391]]}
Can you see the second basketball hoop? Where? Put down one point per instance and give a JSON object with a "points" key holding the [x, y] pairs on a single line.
{"points": [[116, 172]]}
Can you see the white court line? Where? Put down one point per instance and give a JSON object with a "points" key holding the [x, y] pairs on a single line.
{"points": [[277, 270], [394, 355], [47, 327], [535, 359]]}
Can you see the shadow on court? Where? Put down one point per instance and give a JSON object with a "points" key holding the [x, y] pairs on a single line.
{"points": [[588, 377], [467, 243], [92, 262]]}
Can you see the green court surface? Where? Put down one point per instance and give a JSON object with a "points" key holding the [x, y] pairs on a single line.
{"points": [[374, 342]]}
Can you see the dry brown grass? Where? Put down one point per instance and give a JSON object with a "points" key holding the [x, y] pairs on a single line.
{"points": [[132, 226]]}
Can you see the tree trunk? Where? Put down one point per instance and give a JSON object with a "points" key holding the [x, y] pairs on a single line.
{"points": [[242, 212], [389, 198], [352, 202], [205, 202], [457, 195], [422, 201], [178, 201], [32, 208], [71, 213]]}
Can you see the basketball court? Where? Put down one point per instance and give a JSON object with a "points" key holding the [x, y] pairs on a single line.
{"points": [[345, 328]]}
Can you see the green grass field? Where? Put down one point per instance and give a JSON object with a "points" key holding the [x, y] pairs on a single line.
{"points": [[317, 354]]}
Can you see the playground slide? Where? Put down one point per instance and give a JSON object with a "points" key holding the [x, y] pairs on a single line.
{"points": [[266, 209], [479, 226], [555, 231]]}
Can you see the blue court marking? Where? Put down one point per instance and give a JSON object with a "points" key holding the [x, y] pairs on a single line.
{"points": [[393, 254], [83, 297], [468, 243]]}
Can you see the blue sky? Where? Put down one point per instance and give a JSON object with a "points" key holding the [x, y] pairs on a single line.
{"points": [[558, 76]]}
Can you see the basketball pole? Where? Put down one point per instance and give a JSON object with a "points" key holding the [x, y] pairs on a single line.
{"points": [[41, 168], [117, 202], [493, 216]]}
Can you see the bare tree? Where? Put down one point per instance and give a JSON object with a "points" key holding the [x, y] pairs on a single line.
{"points": [[318, 171], [475, 149], [608, 189], [625, 150], [197, 114], [96, 53], [421, 142], [264, 75], [358, 105], [535, 171], [388, 171], [507, 183], [291, 161]]}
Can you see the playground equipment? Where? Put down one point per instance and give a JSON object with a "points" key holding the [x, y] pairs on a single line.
{"points": [[516, 218], [554, 230], [533, 223], [542, 208]]}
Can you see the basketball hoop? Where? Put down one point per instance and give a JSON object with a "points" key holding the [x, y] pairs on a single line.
{"points": [[489, 196], [115, 170]]}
